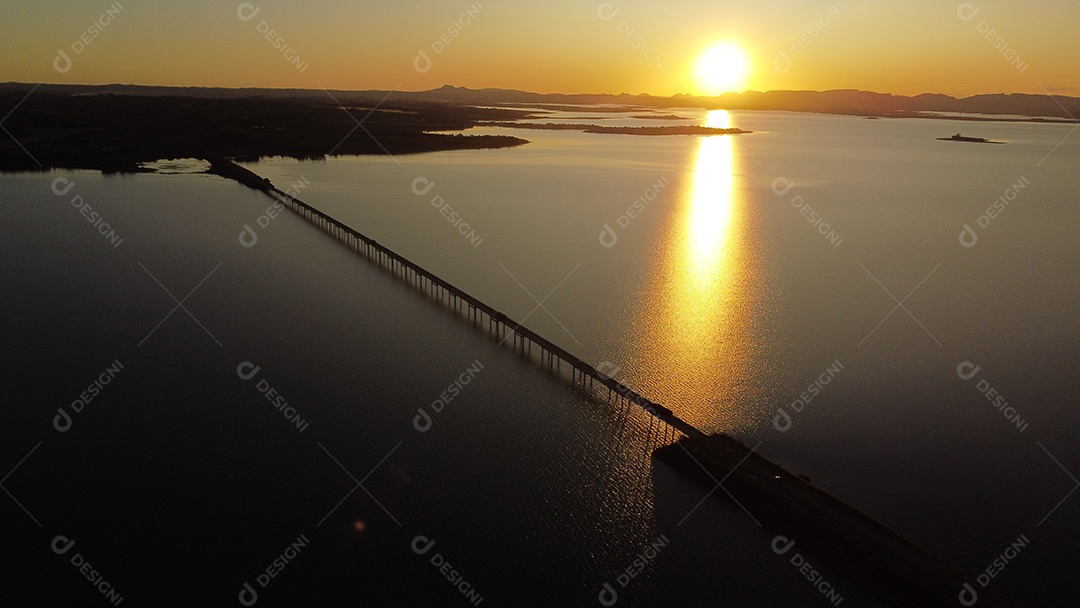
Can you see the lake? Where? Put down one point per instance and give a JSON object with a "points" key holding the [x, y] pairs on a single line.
{"points": [[730, 278]]}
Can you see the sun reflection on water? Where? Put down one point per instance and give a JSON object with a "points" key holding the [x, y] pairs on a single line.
{"points": [[693, 349]]}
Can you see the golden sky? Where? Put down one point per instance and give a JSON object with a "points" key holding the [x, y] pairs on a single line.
{"points": [[633, 46]]}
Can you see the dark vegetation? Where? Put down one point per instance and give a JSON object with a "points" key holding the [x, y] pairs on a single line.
{"points": [[114, 133]]}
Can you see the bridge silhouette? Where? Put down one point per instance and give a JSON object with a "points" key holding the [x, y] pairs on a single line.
{"points": [[856, 545], [562, 364]]}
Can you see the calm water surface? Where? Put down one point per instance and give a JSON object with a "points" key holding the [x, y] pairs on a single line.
{"points": [[753, 264], [180, 482], [718, 298]]}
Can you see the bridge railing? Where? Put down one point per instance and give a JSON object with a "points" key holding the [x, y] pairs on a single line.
{"points": [[548, 355]]}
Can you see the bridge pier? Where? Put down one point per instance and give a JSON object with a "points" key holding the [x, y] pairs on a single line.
{"points": [[498, 325]]}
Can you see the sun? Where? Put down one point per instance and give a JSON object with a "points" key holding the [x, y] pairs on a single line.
{"points": [[721, 68]]}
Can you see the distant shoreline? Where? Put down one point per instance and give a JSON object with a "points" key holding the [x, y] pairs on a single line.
{"points": [[585, 128], [936, 116], [93, 128], [1010, 107], [117, 134]]}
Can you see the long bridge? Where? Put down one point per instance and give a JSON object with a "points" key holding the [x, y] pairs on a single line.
{"points": [[550, 356], [854, 544]]}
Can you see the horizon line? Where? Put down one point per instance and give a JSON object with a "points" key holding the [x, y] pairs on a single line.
{"points": [[512, 90]]}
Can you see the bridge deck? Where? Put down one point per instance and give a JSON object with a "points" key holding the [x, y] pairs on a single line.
{"points": [[550, 355], [886, 563]]}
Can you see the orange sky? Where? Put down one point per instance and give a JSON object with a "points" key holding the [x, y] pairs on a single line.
{"points": [[632, 46]]}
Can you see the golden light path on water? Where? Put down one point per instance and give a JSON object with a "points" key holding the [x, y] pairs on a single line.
{"points": [[692, 350]]}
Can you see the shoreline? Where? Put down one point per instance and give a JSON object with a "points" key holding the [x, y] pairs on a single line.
{"points": [[116, 134]]}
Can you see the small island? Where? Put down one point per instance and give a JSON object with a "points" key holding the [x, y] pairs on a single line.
{"points": [[974, 140]]}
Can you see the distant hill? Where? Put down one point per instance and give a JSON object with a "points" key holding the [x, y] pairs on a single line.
{"points": [[865, 102], [844, 101]]}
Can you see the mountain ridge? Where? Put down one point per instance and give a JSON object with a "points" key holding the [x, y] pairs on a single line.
{"points": [[835, 101]]}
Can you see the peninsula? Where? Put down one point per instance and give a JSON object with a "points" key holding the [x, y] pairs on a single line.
{"points": [[117, 133]]}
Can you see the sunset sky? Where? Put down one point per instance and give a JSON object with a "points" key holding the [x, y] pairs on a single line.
{"points": [[571, 46]]}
